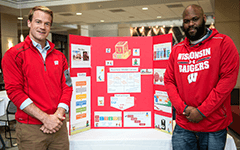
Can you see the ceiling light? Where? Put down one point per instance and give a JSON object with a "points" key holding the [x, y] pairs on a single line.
{"points": [[159, 16], [101, 20], [20, 18], [144, 8], [78, 14]]}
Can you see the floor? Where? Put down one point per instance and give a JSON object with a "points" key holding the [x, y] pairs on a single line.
{"points": [[231, 132]]}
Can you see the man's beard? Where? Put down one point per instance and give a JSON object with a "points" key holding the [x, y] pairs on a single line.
{"points": [[199, 34]]}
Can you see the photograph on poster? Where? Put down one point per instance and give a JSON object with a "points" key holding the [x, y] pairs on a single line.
{"points": [[100, 101], [100, 73], [163, 123], [162, 51], [136, 61], [109, 62], [80, 55], [162, 102], [159, 76], [122, 101], [124, 82], [108, 119], [137, 119], [146, 71], [80, 105], [136, 52]]}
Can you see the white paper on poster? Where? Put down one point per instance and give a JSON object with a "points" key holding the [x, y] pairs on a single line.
{"points": [[161, 51], [146, 71], [162, 102], [80, 56], [159, 76], [137, 119], [80, 111], [109, 63], [136, 52], [108, 50], [124, 82], [108, 119], [121, 95], [126, 69], [136, 61], [122, 103], [81, 74], [163, 123], [100, 73], [100, 101]]}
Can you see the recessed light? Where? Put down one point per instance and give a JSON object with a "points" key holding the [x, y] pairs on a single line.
{"points": [[163, 26], [159, 16], [101, 20], [78, 14], [20, 18], [144, 8]]}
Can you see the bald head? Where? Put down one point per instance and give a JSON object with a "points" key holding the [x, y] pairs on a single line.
{"points": [[193, 7], [194, 21]]}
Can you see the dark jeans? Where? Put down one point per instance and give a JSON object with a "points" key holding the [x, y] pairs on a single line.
{"points": [[187, 140]]}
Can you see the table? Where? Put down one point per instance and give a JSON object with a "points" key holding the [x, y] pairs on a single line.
{"points": [[127, 139]]}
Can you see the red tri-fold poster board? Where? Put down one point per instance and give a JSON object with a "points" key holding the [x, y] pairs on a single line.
{"points": [[118, 83]]}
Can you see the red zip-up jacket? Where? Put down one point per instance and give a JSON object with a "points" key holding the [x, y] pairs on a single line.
{"points": [[26, 75], [203, 76]]}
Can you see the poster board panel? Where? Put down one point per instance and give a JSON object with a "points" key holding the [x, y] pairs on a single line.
{"points": [[127, 72], [162, 46]]}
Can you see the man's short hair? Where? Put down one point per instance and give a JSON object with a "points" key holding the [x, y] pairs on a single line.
{"points": [[41, 8]]}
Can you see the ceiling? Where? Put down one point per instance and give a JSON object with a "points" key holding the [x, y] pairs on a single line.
{"points": [[111, 11]]}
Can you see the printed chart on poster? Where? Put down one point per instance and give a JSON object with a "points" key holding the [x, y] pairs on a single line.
{"points": [[80, 105], [122, 101], [162, 102], [124, 82], [108, 119], [80, 56], [137, 119]]}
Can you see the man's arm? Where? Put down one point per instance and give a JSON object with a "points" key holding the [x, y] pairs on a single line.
{"points": [[14, 83], [170, 84], [64, 103], [229, 67], [66, 87]]}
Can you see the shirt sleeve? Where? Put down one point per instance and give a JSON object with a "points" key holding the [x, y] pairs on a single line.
{"points": [[13, 77], [62, 105], [229, 67], [66, 84], [171, 87], [27, 102]]}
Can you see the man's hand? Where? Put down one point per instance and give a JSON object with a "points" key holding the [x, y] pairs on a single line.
{"points": [[194, 116], [52, 123], [46, 130], [188, 110]]}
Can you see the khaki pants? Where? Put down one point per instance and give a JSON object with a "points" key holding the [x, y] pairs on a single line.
{"points": [[30, 137]]}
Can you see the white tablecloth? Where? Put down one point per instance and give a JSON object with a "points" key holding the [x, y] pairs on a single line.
{"points": [[3, 102], [127, 139]]}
